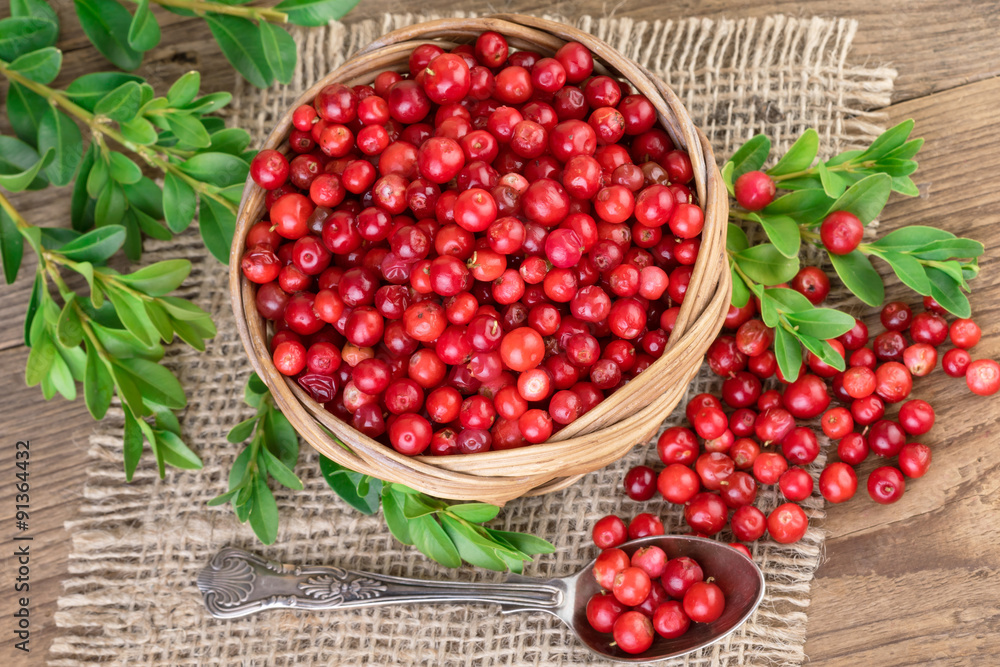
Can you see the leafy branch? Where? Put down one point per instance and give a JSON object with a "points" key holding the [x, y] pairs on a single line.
{"points": [[930, 261], [445, 532], [272, 452], [250, 38], [110, 342]]}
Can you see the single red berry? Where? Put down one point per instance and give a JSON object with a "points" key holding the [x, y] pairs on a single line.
{"points": [[633, 632], [838, 482], [640, 483], [964, 333], [886, 485], [914, 459], [754, 190], [787, 523], [841, 232], [609, 532], [704, 602], [983, 377]]}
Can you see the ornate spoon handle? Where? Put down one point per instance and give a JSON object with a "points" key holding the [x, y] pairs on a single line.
{"points": [[237, 583]]}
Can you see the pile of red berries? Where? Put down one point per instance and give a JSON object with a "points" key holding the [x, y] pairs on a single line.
{"points": [[650, 592], [751, 436], [471, 255]]}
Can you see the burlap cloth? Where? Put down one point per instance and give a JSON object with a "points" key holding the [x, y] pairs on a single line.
{"points": [[131, 597]]}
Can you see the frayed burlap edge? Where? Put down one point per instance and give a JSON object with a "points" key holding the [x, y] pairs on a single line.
{"points": [[131, 597]]}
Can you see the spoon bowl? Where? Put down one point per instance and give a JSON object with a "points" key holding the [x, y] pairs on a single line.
{"points": [[740, 579], [237, 583]]}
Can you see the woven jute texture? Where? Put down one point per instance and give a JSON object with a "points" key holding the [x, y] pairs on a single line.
{"points": [[131, 597]]}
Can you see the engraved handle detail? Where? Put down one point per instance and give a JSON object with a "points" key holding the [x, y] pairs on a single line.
{"points": [[236, 583]]}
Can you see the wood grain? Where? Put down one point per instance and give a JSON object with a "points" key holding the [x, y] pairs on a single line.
{"points": [[911, 583]]}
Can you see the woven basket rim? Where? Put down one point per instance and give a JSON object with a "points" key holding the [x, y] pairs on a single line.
{"points": [[587, 443]]}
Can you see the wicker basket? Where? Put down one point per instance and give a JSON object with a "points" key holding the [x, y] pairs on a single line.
{"points": [[629, 416]]}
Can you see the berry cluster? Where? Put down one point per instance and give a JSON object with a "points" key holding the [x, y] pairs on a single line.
{"points": [[471, 255], [750, 436], [649, 592]]}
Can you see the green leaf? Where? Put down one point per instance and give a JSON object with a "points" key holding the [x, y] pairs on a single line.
{"points": [[736, 238], [523, 542], [60, 134], [765, 265], [787, 300], [800, 156], [37, 294], [429, 537], [904, 185], [414, 506], [470, 550], [823, 350], [122, 103], [176, 452], [392, 510], [37, 8], [178, 203], [907, 151], [210, 103], [81, 206], [121, 344], [859, 276], [750, 156], [345, 483], [888, 141], [783, 232], [279, 48], [159, 278], [144, 31], [741, 293], [264, 515], [217, 225], [69, 329], [218, 169], [96, 245], [40, 359], [242, 431], [161, 321], [123, 169], [822, 323], [240, 41], [183, 309], [111, 205], [140, 131], [909, 271], [475, 512], [146, 196], [834, 184], [233, 141], [806, 207], [189, 130], [24, 34], [11, 247], [90, 89], [12, 176], [132, 314], [61, 379], [281, 474], [314, 13], [106, 23], [911, 237], [727, 178], [25, 109], [155, 382], [866, 198], [281, 438], [184, 89], [948, 293], [97, 385], [255, 386], [41, 66], [788, 352], [132, 441], [950, 249]]}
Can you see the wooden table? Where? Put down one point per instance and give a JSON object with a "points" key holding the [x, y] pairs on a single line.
{"points": [[911, 583]]}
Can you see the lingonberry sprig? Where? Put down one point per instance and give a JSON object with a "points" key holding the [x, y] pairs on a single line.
{"points": [[828, 205], [110, 340], [272, 452], [251, 38], [446, 532]]}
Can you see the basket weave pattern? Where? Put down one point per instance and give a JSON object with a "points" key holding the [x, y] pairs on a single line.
{"points": [[606, 433]]}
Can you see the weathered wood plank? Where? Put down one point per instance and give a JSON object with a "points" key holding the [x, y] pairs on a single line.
{"points": [[914, 582]]}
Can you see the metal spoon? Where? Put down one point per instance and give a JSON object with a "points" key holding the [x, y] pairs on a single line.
{"points": [[236, 583]]}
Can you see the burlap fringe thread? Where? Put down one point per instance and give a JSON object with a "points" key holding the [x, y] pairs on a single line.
{"points": [[137, 547]]}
